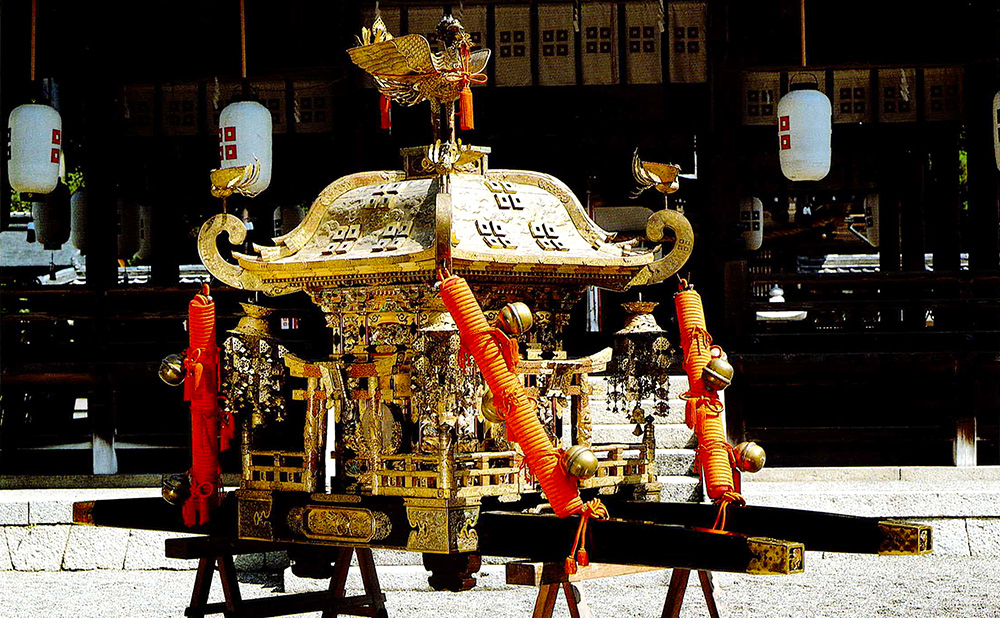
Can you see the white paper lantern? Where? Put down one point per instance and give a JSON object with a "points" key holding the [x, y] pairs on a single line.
{"points": [[79, 218], [752, 222], [996, 128], [804, 130], [245, 134], [52, 220], [34, 148]]}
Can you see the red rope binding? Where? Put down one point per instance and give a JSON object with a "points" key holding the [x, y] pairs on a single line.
{"points": [[201, 389], [497, 361]]}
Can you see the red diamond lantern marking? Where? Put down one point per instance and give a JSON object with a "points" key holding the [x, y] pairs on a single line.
{"points": [[220, 136], [230, 152], [56, 136], [222, 153], [786, 142], [230, 133], [783, 123], [55, 155]]}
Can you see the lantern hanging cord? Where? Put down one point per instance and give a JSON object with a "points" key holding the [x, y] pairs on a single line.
{"points": [[243, 39], [802, 28], [34, 19]]}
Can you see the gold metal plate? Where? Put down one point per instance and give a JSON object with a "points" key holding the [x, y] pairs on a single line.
{"points": [[903, 539]]}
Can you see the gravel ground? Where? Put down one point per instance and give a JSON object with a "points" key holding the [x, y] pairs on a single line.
{"points": [[833, 586]]}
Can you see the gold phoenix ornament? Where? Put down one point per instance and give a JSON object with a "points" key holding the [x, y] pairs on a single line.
{"points": [[408, 72], [648, 174]]}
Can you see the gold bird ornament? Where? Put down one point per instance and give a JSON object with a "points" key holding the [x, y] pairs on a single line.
{"points": [[648, 174], [229, 180], [407, 72]]}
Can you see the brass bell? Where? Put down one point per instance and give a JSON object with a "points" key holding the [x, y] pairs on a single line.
{"points": [[579, 461], [488, 409], [172, 370], [750, 457], [515, 318], [176, 489], [717, 374]]}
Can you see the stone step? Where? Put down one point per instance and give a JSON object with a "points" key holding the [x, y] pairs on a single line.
{"points": [[675, 461], [680, 489], [667, 436]]}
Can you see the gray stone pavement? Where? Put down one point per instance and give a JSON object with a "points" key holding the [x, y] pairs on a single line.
{"points": [[833, 586]]}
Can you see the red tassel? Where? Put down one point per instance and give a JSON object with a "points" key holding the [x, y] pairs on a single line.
{"points": [[385, 115], [570, 566], [582, 558], [465, 109]]}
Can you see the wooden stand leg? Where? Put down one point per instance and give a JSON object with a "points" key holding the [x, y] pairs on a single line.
{"points": [[230, 586], [546, 601], [202, 586], [675, 593], [678, 585], [574, 599], [339, 580], [372, 587], [708, 587]]}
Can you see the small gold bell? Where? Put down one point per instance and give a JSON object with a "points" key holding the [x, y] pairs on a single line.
{"points": [[717, 374], [579, 461], [176, 489], [172, 370], [750, 457], [515, 318], [488, 409]]}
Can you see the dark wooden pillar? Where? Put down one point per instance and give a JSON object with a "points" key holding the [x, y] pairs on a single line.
{"points": [[102, 136]]}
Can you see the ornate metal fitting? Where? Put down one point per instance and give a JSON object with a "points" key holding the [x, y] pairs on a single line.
{"points": [[515, 318], [339, 524], [717, 374], [774, 556], [640, 364], [900, 538], [579, 461], [172, 370], [750, 457], [442, 529]]}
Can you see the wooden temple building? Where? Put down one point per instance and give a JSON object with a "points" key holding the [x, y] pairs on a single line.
{"points": [[884, 351]]}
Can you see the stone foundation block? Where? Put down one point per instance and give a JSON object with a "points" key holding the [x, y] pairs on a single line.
{"points": [[50, 513], [984, 536], [950, 536], [145, 551], [92, 548], [37, 548], [13, 513], [5, 563]]}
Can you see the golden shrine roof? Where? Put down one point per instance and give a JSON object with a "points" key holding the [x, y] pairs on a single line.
{"points": [[445, 208]]}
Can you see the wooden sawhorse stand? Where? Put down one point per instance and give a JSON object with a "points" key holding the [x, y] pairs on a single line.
{"points": [[551, 576], [212, 552]]}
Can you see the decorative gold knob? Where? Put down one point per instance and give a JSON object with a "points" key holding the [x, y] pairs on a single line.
{"points": [[579, 461], [515, 318], [172, 370], [488, 409], [717, 374], [176, 489], [750, 457]]}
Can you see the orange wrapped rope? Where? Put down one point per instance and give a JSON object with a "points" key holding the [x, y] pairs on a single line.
{"points": [[704, 410], [202, 390], [486, 346], [496, 357]]}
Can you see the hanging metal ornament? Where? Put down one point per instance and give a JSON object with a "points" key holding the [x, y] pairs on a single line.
{"points": [[639, 366], [253, 369]]}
